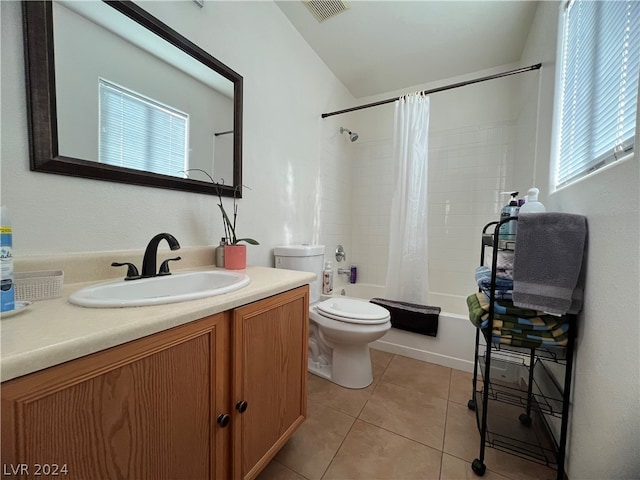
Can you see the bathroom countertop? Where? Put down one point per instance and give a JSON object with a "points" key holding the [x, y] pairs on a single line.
{"points": [[51, 332]]}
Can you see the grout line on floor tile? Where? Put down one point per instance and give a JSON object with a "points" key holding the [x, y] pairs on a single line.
{"points": [[449, 391], [400, 435], [338, 449], [330, 407], [289, 468], [444, 433], [368, 399]]}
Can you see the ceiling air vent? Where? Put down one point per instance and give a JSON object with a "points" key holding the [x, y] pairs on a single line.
{"points": [[324, 9]]}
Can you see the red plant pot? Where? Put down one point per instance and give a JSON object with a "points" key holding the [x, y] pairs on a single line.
{"points": [[235, 257]]}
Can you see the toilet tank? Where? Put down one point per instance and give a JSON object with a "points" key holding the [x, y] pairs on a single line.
{"points": [[305, 258]]}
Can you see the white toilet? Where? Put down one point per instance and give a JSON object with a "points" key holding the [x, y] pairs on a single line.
{"points": [[340, 328]]}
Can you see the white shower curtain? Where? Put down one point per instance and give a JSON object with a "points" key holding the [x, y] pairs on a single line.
{"points": [[407, 269]]}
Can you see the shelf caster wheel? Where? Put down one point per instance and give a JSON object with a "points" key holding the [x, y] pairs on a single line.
{"points": [[525, 419], [471, 405], [478, 467]]}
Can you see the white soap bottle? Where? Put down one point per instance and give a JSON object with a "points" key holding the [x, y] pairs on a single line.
{"points": [[532, 205], [327, 279]]}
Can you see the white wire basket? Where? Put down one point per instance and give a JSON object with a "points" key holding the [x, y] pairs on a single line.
{"points": [[33, 286]]}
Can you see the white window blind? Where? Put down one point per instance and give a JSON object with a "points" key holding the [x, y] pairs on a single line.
{"points": [[141, 133], [599, 85]]}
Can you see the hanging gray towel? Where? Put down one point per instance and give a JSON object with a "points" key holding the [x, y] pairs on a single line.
{"points": [[548, 261]]}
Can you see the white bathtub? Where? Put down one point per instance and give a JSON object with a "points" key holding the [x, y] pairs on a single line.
{"points": [[452, 347]]}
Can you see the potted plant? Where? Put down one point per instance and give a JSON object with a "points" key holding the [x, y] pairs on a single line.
{"points": [[235, 255]]}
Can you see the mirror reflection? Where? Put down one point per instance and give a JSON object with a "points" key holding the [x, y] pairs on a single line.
{"points": [[131, 95]]}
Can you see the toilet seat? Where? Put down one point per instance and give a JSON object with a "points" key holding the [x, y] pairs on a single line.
{"points": [[350, 310]]}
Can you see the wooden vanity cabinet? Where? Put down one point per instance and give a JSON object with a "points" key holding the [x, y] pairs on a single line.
{"points": [[270, 377], [145, 409], [165, 406]]}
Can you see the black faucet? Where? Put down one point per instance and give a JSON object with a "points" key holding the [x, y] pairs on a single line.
{"points": [[150, 254], [149, 260]]}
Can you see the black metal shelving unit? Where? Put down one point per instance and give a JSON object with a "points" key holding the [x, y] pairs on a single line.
{"points": [[515, 393]]}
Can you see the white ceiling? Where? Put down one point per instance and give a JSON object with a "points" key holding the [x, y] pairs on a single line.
{"points": [[381, 46]]}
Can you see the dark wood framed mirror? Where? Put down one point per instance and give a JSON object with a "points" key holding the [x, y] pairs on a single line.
{"points": [[55, 111]]}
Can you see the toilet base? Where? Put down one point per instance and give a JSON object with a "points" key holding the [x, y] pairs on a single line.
{"points": [[351, 367], [323, 371]]}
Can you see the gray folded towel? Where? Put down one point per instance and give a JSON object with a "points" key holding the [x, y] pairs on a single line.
{"points": [[548, 259]]}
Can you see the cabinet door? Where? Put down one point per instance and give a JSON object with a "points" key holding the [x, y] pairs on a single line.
{"points": [[143, 410], [269, 374]]}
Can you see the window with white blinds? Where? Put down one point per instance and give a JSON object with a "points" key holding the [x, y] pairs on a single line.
{"points": [[141, 133], [599, 85]]}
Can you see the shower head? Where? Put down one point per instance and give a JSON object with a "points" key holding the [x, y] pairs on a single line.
{"points": [[352, 135]]}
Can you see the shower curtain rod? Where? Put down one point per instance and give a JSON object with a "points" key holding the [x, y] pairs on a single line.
{"points": [[439, 89]]}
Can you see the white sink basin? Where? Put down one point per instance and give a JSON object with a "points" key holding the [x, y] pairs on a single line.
{"points": [[177, 287]]}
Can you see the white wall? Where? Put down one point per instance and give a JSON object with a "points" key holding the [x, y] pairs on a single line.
{"points": [[286, 88], [604, 433], [332, 191]]}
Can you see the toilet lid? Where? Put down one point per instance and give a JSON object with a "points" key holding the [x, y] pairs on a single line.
{"points": [[353, 311]]}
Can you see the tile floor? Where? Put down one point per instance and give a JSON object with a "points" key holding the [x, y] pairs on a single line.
{"points": [[411, 423]]}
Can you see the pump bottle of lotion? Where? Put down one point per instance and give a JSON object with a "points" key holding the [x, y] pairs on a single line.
{"points": [[508, 229], [7, 289]]}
